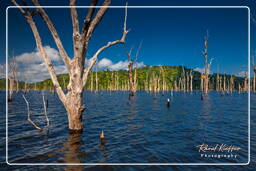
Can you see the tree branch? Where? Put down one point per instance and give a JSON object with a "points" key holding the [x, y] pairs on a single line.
{"points": [[29, 120], [44, 55], [96, 21], [89, 15], [54, 33], [76, 34], [21, 9], [109, 44], [137, 54]]}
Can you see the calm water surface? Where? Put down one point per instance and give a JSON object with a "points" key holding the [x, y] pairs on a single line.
{"points": [[140, 130]]}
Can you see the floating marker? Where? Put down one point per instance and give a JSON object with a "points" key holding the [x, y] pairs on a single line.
{"points": [[102, 138], [168, 102]]}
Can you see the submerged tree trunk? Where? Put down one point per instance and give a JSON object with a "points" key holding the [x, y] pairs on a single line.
{"points": [[75, 108]]}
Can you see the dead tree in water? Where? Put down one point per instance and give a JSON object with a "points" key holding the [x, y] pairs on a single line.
{"points": [[25, 82], [217, 82], [163, 80], [207, 66], [232, 83], [133, 71], [96, 78], [224, 82], [254, 75], [191, 80], [12, 77], [29, 119], [45, 112], [91, 87], [245, 81], [78, 72]]}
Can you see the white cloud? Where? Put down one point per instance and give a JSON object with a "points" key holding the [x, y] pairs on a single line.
{"points": [[104, 63], [242, 73], [32, 69], [120, 65], [34, 57], [201, 70], [2, 70], [39, 72]]}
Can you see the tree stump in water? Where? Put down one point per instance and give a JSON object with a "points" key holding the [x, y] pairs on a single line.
{"points": [[102, 142]]}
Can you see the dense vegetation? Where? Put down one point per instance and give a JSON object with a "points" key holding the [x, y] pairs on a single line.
{"points": [[146, 76]]}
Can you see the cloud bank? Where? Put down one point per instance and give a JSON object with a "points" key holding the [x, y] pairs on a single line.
{"points": [[120, 65], [32, 69]]}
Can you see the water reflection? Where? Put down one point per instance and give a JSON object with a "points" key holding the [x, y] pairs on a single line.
{"points": [[72, 154]]}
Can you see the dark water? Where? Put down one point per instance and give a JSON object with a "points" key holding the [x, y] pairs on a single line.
{"points": [[142, 130]]}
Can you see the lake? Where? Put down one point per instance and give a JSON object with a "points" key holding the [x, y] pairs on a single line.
{"points": [[140, 130]]}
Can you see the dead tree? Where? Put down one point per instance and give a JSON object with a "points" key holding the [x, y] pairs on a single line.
{"points": [[207, 66], [217, 82], [45, 113], [91, 87], [163, 80], [254, 75], [224, 83], [12, 77], [245, 81], [133, 71], [232, 83], [29, 119], [25, 82], [96, 78], [191, 80], [77, 71]]}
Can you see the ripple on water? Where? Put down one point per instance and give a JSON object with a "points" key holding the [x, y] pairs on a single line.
{"points": [[141, 130]]}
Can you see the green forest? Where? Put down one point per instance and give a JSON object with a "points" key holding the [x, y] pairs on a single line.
{"points": [[148, 78]]}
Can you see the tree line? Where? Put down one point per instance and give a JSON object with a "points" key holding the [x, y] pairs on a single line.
{"points": [[149, 78]]}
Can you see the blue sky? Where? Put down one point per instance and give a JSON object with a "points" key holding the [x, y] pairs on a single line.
{"points": [[170, 36]]}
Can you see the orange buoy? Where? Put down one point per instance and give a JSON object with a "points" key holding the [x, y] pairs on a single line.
{"points": [[102, 142]]}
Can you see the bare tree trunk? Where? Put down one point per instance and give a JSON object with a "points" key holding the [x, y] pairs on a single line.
{"points": [[202, 82], [74, 107], [91, 80], [10, 92], [246, 82], [97, 86], [133, 75], [207, 66], [254, 79], [231, 83], [12, 76], [217, 82], [224, 83]]}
